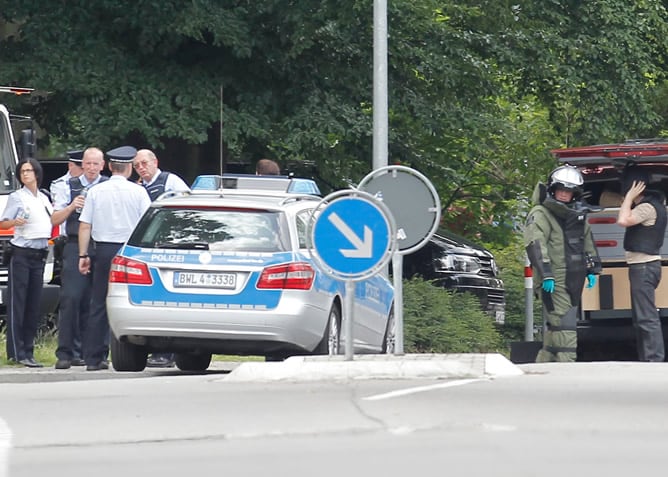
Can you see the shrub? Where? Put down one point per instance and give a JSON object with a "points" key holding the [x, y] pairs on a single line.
{"points": [[437, 320]]}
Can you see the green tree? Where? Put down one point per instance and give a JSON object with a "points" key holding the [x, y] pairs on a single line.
{"points": [[479, 90]]}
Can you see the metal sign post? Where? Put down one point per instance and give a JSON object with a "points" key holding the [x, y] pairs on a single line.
{"points": [[416, 207], [353, 236]]}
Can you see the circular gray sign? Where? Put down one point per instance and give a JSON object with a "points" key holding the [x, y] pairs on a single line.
{"points": [[412, 200]]}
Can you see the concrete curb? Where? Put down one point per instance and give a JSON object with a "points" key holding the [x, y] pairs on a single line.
{"points": [[409, 366]]}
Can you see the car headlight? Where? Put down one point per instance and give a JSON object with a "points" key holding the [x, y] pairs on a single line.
{"points": [[458, 263], [495, 268]]}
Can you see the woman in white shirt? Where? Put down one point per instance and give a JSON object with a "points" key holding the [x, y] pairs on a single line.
{"points": [[29, 211]]}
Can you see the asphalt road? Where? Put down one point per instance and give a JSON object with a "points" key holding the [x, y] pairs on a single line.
{"points": [[554, 419]]}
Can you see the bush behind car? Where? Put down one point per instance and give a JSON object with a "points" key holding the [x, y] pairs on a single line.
{"points": [[443, 321]]}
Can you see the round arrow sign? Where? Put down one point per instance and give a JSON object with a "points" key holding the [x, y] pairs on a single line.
{"points": [[353, 235]]}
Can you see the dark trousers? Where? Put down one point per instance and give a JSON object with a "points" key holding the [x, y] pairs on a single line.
{"points": [[26, 277], [96, 337], [644, 278], [75, 295]]}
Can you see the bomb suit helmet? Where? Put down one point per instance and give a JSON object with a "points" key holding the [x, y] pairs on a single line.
{"points": [[566, 177]]}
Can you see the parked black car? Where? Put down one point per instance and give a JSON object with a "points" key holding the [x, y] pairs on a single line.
{"points": [[458, 264]]}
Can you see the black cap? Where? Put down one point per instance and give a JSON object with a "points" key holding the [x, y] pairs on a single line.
{"points": [[122, 154], [76, 156]]}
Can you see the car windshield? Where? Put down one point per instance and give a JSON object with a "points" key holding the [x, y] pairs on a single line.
{"points": [[211, 229]]}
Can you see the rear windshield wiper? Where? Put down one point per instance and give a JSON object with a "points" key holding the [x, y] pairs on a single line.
{"points": [[183, 245]]}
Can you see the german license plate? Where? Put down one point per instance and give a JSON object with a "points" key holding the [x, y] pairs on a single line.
{"points": [[205, 280]]}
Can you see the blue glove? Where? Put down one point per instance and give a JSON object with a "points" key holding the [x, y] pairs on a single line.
{"points": [[591, 280], [548, 285]]}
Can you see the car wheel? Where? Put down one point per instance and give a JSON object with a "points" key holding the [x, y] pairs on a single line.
{"points": [[390, 339], [331, 340], [127, 356], [192, 361]]}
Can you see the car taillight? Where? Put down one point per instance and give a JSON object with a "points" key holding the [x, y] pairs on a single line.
{"points": [[132, 272], [288, 276]]}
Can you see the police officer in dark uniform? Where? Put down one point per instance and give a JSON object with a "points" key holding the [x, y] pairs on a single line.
{"points": [[60, 188], [75, 288], [110, 213], [156, 182]]}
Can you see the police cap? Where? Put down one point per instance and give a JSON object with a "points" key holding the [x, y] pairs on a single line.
{"points": [[75, 156], [122, 154]]}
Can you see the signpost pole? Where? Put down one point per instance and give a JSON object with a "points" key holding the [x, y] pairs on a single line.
{"points": [[348, 322], [415, 206], [397, 277]]}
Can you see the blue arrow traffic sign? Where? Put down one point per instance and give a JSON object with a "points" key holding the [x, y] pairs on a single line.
{"points": [[352, 237]]}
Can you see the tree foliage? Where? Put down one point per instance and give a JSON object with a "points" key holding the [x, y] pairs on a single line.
{"points": [[479, 90]]}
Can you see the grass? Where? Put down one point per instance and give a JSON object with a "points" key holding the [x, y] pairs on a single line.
{"points": [[46, 344], [45, 350]]}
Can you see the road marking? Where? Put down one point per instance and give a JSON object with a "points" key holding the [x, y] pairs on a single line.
{"points": [[363, 249], [5, 445], [421, 389]]}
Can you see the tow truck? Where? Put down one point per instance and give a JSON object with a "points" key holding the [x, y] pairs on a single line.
{"points": [[9, 158]]}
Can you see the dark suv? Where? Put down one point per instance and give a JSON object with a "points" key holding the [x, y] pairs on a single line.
{"points": [[460, 265]]}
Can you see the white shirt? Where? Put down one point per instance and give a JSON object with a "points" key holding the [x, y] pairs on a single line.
{"points": [[35, 233], [173, 182], [60, 191], [113, 209]]}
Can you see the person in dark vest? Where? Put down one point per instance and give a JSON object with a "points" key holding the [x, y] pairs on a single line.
{"points": [[75, 288], [60, 187], [643, 214], [156, 182], [562, 252]]}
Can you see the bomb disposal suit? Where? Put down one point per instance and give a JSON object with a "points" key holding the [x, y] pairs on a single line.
{"points": [[562, 252]]}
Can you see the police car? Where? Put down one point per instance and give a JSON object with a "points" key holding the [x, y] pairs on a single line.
{"points": [[229, 272]]}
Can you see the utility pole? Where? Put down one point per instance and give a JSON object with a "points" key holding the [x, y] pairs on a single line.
{"points": [[380, 121]]}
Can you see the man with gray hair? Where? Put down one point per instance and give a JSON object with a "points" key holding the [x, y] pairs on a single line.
{"points": [[156, 182]]}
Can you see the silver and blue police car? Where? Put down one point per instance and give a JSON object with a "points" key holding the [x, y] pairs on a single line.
{"points": [[229, 272]]}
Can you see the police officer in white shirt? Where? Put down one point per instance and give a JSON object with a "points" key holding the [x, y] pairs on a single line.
{"points": [[110, 213], [75, 288], [28, 210]]}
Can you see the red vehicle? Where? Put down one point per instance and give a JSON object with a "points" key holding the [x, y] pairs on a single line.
{"points": [[605, 324]]}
